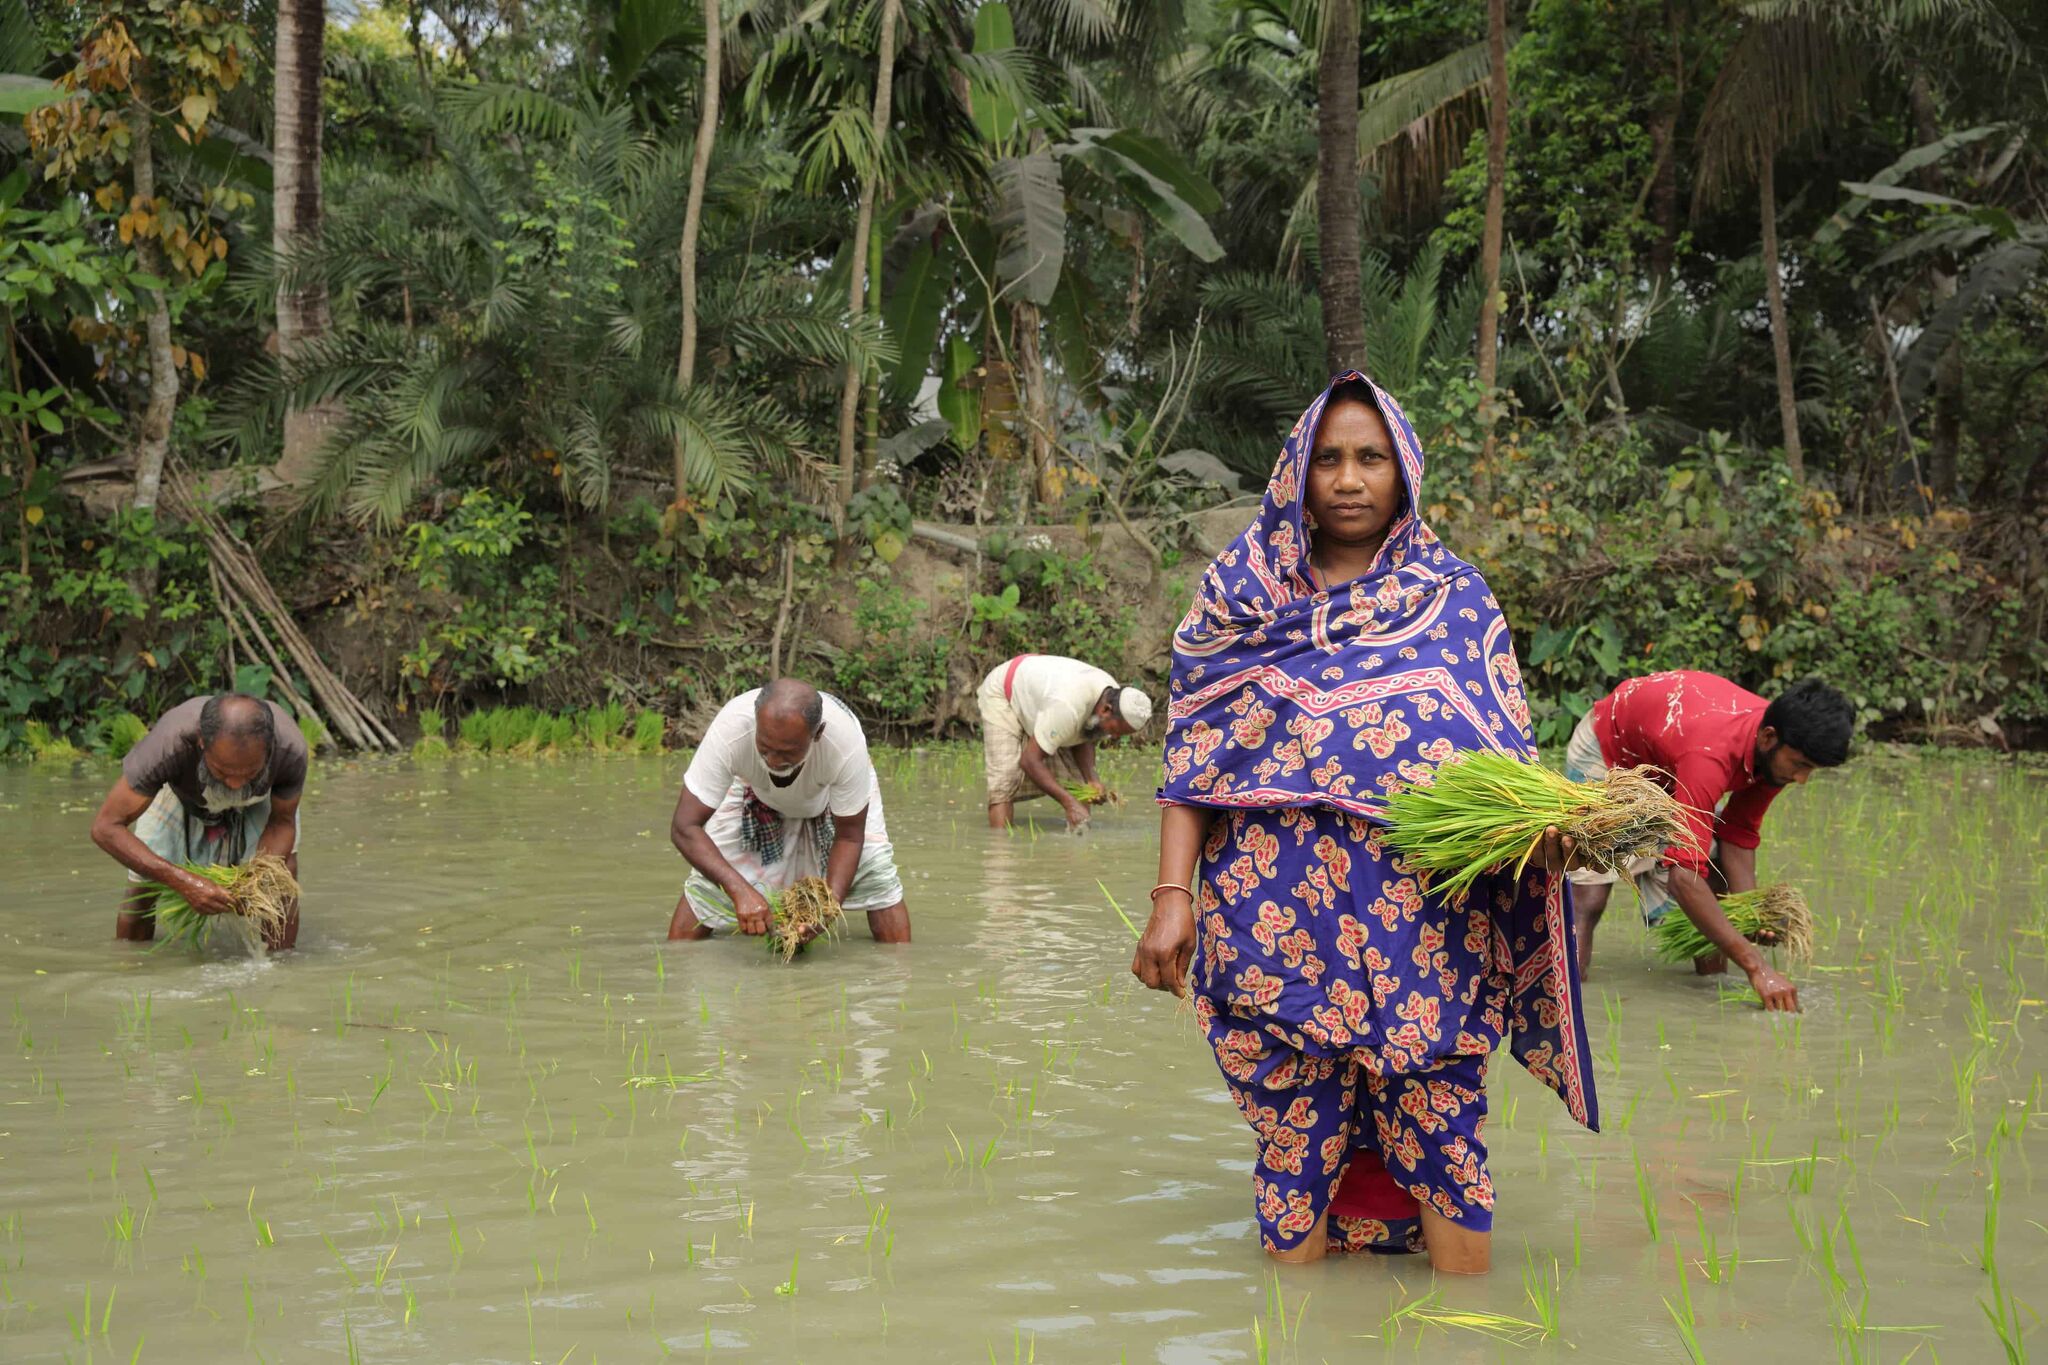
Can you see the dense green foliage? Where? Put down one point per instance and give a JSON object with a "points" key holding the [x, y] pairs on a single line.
{"points": [[1093, 297]]}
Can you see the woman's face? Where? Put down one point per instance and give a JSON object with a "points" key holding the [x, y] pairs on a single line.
{"points": [[1354, 483]]}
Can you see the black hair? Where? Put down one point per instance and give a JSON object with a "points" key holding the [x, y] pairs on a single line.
{"points": [[1353, 391], [792, 695], [1815, 719], [236, 715]]}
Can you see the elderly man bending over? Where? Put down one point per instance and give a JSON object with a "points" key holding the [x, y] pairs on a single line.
{"points": [[217, 780], [782, 787], [1040, 717]]}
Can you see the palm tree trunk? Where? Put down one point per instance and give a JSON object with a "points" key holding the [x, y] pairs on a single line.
{"points": [[1663, 134], [1496, 194], [1774, 296], [693, 220], [856, 293], [154, 445], [296, 212], [1948, 371], [1337, 187], [871, 380]]}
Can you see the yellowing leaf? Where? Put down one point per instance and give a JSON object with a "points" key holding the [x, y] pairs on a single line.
{"points": [[196, 108], [34, 516]]}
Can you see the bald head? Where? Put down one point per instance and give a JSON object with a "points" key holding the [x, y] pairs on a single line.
{"points": [[788, 716], [236, 735], [791, 698]]}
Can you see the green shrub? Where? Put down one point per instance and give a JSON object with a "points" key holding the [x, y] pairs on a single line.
{"points": [[891, 674], [124, 732], [45, 747]]}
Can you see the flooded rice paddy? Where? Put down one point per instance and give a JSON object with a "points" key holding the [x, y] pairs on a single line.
{"points": [[485, 1114]]}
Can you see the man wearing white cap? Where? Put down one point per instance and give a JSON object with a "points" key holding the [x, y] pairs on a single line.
{"points": [[1041, 715]]}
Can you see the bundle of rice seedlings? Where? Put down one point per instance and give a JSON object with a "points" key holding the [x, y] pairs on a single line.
{"points": [[804, 912], [1092, 793], [603, 728], [264, 891], [124, 732], [650, 730], [558, 734], [313, 730], [516, 730], [474, 733], [430, 746], [45, 747], [1774, 914], [1485, 810]]}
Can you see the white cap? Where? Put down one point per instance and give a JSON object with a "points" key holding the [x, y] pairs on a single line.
{"points": [[1135, 707]]}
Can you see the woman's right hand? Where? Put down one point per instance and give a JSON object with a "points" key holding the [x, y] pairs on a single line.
{"points": [[1168, 944]]}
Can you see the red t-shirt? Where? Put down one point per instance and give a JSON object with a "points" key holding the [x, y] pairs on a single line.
{"points": [[1700, 730]]}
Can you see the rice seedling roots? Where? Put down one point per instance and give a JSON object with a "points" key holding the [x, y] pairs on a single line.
{"points": [[1773, 914], [263, 888], [804, 912]]}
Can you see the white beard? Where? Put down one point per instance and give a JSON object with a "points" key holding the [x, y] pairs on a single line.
{"points": [[220, 800]]}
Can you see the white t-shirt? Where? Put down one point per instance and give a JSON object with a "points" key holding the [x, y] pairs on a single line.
{"points": [[1055, 698], [837, 775]]}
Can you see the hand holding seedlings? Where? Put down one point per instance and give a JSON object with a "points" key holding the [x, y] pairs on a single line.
{"points": [[753, 912], [207, 897], [1557, 852]]}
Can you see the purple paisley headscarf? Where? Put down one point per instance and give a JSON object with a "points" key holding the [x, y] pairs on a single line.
{"points": [[1285, 694]]}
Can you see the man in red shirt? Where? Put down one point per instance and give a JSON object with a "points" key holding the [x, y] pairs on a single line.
{"points": [[1725, 753]]}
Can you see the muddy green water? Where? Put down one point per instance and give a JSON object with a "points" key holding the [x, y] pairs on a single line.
{"points": [[485, 1114]]}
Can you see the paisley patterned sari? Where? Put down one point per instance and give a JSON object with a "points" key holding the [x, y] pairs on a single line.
{"points": [[1352, 1010]]}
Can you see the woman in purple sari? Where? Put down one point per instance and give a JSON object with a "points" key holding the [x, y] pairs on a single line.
{"points": [[1334, 650]]}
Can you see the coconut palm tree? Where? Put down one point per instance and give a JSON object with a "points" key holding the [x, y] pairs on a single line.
{"points": [[302, 314], [1337, 186]]}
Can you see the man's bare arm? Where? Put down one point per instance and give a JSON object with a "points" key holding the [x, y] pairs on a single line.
{"points": [[1039, 770], [1738, 865], [849, 838], [1696, 899], [281, 830], [112, 832], [687, 832]]}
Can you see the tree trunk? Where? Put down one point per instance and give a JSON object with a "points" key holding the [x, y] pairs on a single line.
{"points": [[856, 292], [154, 444], [1774, 295], [1947, 444], [296, 212], [1663, 132], [693, 219], [1037, 406], [1496, 192], [871, 379], [1337, 188]]}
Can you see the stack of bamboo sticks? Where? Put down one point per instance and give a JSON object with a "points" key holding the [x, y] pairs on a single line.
{"points": [[260, 622]]}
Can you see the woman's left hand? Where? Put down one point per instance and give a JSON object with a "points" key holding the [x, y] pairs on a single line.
{"points": [[1555, 852]]}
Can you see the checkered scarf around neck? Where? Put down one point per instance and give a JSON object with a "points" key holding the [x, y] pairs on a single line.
{"points": [[1288, 694]]}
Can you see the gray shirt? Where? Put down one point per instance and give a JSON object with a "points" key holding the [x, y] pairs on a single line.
{"points": [[168, 756]]}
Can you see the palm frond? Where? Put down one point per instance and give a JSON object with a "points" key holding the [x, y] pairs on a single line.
{"points": [[1412, 128], [1781, 80]]}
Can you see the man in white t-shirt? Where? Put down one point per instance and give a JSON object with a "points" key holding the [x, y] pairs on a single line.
{"points": [[782, 787], [1041, 715]]}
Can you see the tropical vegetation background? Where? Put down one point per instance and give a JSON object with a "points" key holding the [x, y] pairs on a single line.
{"points": [[407, 357]]}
